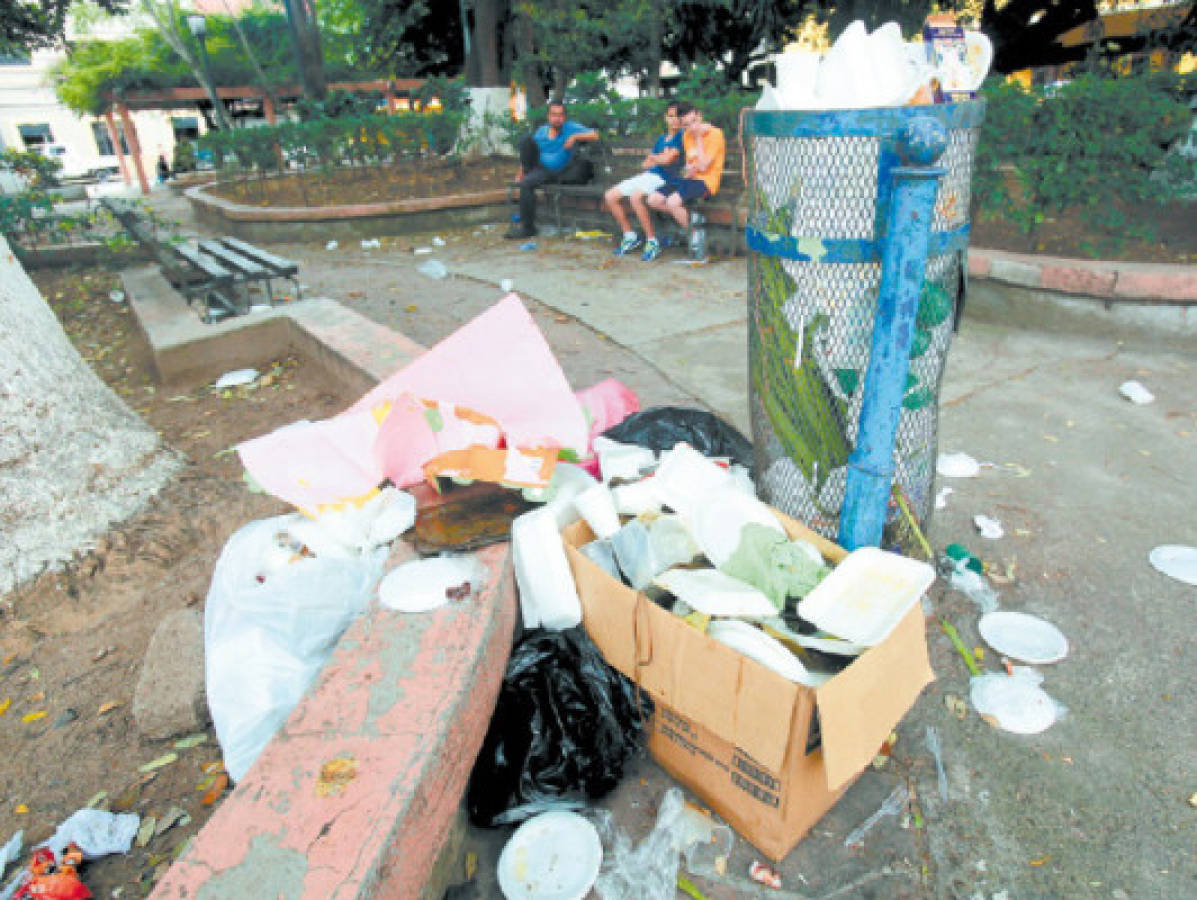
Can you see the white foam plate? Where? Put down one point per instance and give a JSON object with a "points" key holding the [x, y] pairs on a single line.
{"points": [[1176, 561], [1018, 705], [866, 595], [1024, 637], [553, 856], [420, 585], [768, 651], [720, 518]]}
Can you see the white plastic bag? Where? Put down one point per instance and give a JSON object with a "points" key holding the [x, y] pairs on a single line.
{"points": [[269, 628], [96, 831]]}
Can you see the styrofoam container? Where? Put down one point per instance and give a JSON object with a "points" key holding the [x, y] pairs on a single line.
{"points": [[553, 856], [866, 595]]}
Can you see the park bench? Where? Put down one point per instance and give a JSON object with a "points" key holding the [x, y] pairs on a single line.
{"points": [[219, 274], [581, 205]]}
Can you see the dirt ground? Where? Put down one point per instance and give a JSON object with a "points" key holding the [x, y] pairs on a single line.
{"points": [[71, 643], [406, 181]]}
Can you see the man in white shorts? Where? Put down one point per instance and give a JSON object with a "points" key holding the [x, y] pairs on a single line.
{"points": [[662, 165]]}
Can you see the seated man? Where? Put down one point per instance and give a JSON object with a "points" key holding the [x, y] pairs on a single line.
{"points": [[548, 155], [705, 151], [663, 164]]}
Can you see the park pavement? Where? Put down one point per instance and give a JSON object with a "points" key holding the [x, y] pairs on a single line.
{"points": [[1084, 483]]}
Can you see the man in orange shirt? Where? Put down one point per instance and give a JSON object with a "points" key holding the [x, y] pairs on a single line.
{"points": [[705, 151]]}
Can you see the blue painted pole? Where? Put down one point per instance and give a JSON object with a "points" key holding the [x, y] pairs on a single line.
{"points": [[903, 265]]}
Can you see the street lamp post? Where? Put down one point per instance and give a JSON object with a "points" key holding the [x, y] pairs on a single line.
{"points": [[198, 26]]}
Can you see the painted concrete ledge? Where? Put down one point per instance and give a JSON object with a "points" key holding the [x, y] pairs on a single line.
{"points": [[1101, 279], [360, 793], [280, 223]]}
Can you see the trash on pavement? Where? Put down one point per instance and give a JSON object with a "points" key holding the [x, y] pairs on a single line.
{"points": [[498, 367], [1136, 393], [564, 726], [607, 404], [763, 874], [51, 876], [273, 614], [438, 242], [331, 245], [622, 461], [774, 564], [96, 832], [1176, 561], [434, 269], [506, 285], [719, 521], [891, 806], [954, 636], [719, 706], [646, 547], [941, 498], [116, 296], [422, 251], [556, 854], [11, 851], [1024, 637], [988, 527], [371, 243], [867, 595], [422, 585], [465, 517], [936, 751], [597, 507], [957, 465], [236, 378], [547, 594], [1015, 702], [684, 477], [662, 427], [636, 498], [528, 245], [711, 592]]}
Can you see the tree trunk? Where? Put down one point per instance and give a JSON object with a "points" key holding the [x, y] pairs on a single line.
{"points": [[656, 27], [526, 54], [166, 19], [486, 42], [301, 16], [73, 458]]}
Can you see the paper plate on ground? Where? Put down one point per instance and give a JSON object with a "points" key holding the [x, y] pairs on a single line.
{"points": [[1176, 561], [1024, 637], [553, 856], [426, 584], [1017, 705], [866, 595]]}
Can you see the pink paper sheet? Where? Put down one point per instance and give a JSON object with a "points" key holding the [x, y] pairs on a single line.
{"points": [[498, 364]]}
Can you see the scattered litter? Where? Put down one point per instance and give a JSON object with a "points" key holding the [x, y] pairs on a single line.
{"points": [[434, 269], [973, 585], [762, 874], [260, 308], [957, 465], [989, 527], [164, 760], [941, 499], [193, 740], [336, 774], [236, 378], [1176, 561], [591, 235], [548, 595], [1015, 702], [956, 705], [371, 243], [116, 296], [507, 285], [11, 851], [891, 806], [29, 718], [331, 245], [555, 854], [96, 800], [145, 833], [438, 242], [66, 717], [933, 747], [1024, 637], [176, 815], [528, 245], [954, 636], [96, 832], [1136, 393], [597, 507], [426, 584], [422, 251], [768, 651]]}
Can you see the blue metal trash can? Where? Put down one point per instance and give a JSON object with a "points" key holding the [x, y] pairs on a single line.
{"points": [[821, 187]]}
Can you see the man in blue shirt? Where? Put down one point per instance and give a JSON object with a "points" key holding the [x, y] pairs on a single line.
{"points": [[548, 155], [662, 165]]}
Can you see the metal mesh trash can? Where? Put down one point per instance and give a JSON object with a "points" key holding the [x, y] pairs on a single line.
{"points": [[820, 185]]}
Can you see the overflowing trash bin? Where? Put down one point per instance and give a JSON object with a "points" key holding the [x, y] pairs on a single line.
{"points": [[821, 187]]}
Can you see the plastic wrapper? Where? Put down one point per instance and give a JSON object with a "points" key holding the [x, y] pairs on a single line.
{"points": [[565, 725], [661, 427]]}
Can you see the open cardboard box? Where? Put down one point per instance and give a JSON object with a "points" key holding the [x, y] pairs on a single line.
{"points": [[744, 739]]}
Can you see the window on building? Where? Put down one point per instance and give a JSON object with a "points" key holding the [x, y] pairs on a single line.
{"points": [[186, 128], [104, 140], [14, 59], [35, 135]]}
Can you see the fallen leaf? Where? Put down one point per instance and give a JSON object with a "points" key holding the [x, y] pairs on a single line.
{"points": [[205, 782], [411, 307], [335, 775], [214, 792], [471, 865], [955, 705], [164, 760], [106, 708], [34, 716], [176, 815], [4, 705], [21, 809], [97, 800], [1052, 438], [213, 768], [1040, 861], [192, 740]]}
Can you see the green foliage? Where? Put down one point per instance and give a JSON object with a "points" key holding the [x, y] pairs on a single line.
{"points": [[1098, 143], [26, 26], [28, 217], [183, 159]]}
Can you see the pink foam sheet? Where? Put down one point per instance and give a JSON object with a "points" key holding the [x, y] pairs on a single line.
{"points": [[412, 434], [499, 365], [308, 464]]}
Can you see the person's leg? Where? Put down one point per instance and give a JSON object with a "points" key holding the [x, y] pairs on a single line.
{"points": [[613, 200], [529, 154], [534, 176], [643, 216], [675, 205]]}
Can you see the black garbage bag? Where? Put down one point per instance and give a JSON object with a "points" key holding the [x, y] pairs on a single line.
{"points": [[565, 725], [661, 427]]}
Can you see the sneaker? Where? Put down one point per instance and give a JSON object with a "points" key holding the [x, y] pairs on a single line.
{"points": [[651, 250], [628, 244]]}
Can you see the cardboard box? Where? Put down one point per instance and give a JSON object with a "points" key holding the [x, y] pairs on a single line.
{"points": [[769, 756]]}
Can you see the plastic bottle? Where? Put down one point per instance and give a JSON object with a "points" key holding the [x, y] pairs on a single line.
{"points": [[698, 236]]}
